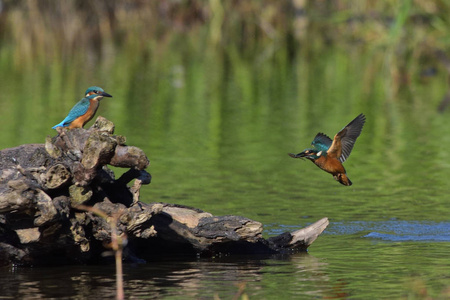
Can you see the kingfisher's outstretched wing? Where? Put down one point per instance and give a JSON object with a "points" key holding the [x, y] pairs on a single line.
{"points": [[345, 139], [322, 142]]}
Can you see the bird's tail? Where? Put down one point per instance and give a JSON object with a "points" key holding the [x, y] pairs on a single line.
{"points": [[59, 125], [343, 179]]}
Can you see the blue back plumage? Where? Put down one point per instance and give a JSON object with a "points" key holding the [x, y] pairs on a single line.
{"points": [[78, 110], [322, 142]]}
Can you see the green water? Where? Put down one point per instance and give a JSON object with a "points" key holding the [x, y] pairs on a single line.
{"points": [[217, 127]]}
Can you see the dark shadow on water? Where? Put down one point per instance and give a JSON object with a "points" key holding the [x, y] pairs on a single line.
{"points": [[157, 279]]}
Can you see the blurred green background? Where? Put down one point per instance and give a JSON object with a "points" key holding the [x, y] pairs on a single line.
{"points": [[218, 92]]}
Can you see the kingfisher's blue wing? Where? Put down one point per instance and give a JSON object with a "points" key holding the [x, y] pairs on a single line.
{"points": [[322, 142], [79, 109]]}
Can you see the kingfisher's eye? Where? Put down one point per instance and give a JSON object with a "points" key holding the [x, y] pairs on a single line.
{"points": [[95, 92]]}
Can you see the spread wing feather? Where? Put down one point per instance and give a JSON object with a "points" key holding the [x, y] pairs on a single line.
{"points": [[348, 136], [322, 142]]}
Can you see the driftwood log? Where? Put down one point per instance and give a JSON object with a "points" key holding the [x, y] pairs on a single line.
{"points": [[61, 204]]}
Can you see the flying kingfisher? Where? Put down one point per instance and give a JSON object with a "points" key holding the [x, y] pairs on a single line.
{"points": [[85, 109], [329, 154]]}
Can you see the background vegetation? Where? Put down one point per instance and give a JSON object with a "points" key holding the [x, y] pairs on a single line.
{"points": [[43, 33]]}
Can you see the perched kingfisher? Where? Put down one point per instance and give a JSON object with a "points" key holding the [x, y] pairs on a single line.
{"points": [[85, 109], [329, 154]]}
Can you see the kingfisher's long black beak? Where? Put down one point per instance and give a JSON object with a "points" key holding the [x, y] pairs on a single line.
{"points": [[105, 94], [300, 155]]}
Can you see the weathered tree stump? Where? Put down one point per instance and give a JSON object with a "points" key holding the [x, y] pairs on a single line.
{"points": [[59, 202]]}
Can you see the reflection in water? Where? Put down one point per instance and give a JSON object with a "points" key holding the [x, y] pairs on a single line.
{"points": [[300, 274]]}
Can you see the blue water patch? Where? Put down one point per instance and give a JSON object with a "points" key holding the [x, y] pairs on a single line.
{"points": [[392, 230], [397, 231], [401, 238]]}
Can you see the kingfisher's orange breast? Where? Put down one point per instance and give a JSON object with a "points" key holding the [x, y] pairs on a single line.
{"points": [[330, 165], [83, 119]]}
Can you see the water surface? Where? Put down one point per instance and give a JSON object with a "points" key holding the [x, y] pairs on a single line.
{"points": [[345, 263]]}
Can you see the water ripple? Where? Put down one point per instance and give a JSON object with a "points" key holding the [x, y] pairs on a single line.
{"points": [[396, 231], [392, 230]]}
